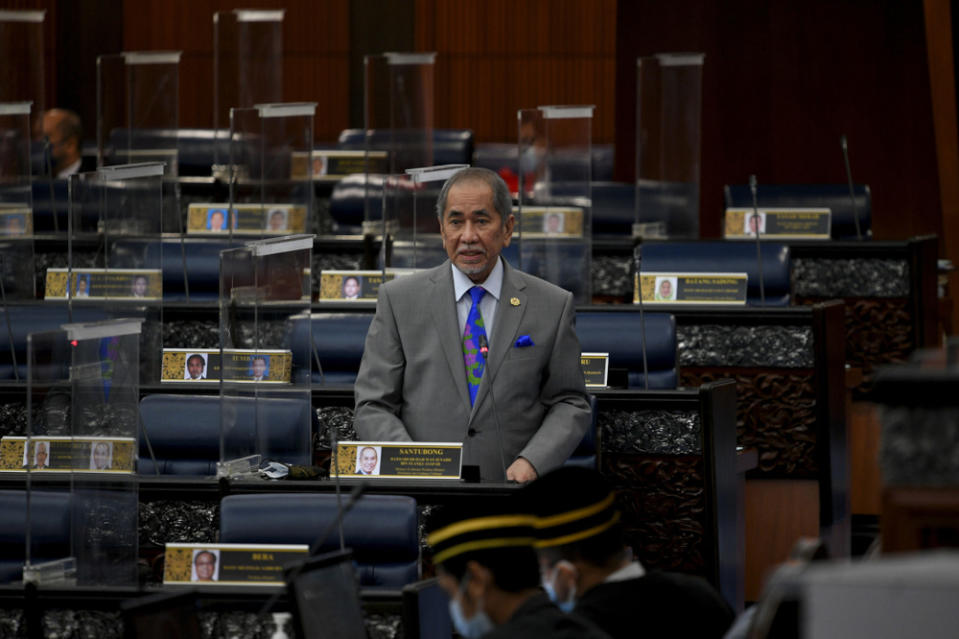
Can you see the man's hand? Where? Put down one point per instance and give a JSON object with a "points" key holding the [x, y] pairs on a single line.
{"points": [[521, 471]]}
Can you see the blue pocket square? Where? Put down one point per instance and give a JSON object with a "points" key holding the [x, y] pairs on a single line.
{"points": [[524, 341]]}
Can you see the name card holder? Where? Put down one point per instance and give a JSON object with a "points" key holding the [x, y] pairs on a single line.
{"points": [[64, 454], [134, 285], [404, 460], [692, 288], [246, 219], [355, 286], [229, 564], [207, 366], [795, 223], [595, 369]]}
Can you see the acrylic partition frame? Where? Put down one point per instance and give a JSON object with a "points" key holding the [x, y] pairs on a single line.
{"points": [[138, 108], [263, 141], [247, 62], [553, 228], [265, 401], [668, 144], [417, 242], [123, 205], [83, 422], [22, 53], [17, 260]]}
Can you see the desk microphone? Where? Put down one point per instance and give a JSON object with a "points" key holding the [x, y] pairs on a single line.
{"points": [[6, 315], [852, 192], [637, 264], [759, 252], [484, 351]]}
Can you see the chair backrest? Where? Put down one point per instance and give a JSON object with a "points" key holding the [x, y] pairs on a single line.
{"points": [[50, 515], [618, 333], [197, 148], [338, 340], [381, 530], [450, 146], [36, 319], [726, 257], [201, 259], [348, 202], [832, 196], [184, 431]]}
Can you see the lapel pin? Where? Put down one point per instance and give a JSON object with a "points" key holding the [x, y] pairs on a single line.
{"points": [[514, 301]]}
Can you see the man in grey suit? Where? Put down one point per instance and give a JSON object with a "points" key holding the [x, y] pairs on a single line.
{"points": [[530, 408]]}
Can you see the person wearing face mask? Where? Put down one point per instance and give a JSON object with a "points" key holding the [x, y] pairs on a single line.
{"points": [[587, 568], [486, 563]]}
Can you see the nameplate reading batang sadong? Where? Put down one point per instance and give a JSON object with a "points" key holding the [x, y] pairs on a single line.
{"points": [[778, 224], [406, 460], [229, 564], [692, 288], [595, 368]]}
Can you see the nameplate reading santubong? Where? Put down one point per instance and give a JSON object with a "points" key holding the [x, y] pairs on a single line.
{"points": [[407, 460], [692, 288]]}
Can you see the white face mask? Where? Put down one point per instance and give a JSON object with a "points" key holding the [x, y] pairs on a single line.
{"points": [[473, 627], [549, 585]]}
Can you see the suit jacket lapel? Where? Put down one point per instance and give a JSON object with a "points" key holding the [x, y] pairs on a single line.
{"points": [[443, 307], [505, 327]]}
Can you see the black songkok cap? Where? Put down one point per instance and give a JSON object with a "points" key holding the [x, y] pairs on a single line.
{"points": [[457, 532], [570, 504]]}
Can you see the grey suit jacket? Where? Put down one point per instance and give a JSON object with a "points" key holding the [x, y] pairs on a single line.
{"points": [[412, 380]]}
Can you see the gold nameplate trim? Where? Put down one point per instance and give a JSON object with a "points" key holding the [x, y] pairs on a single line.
{"points": [[204, 365], [354, 286], [60, 454], [247, 219], [83, 284]]}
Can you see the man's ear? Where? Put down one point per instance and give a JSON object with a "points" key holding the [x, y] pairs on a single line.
{"points": [[480, 580]]}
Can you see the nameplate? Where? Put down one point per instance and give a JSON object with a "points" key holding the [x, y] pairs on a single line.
{"points": [[353, 286], [407, 460], [692, 288], [60, 454], [331, 165], [201, 365], [246, 219], [135, 284], [595, 369], [550, 221], [778, 223], [15, 222], [230, 564]]}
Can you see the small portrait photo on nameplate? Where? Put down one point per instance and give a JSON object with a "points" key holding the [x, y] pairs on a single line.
{"points": [[352, 286], [64, 454], [190, 365], [406, 460], [15, 222], [133, 285], [229, 564], [550, 221], [691, 288], [778, 223], [595, 369]]}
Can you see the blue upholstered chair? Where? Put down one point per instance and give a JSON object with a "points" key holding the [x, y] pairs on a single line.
{"points": [[184, 431], [50, 514], [450, 146], [726, 257], [347, 202], [381, 530], [197, 148], [36, 319], [832, 196], [202, 261], [618, 334], [338, 340]]}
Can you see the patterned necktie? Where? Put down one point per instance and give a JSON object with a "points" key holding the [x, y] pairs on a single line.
{"points": [[474, 335]]}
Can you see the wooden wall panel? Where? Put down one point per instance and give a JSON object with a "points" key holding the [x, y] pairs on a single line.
{"points": [[498, 56], [316, 51], [782, 81]]}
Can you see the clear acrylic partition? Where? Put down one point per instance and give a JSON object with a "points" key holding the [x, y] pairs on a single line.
{"points": [[22, 59], [669, 97], [123, 205], [17, 273], [417, 242], [265, 198], [137, 108], [531, 149], [398, 118], [247, 62], [265, 404], [83, 398], [554, 227]]}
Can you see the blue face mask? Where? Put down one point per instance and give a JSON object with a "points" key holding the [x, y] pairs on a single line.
{"points": [[550, 588], [474, 627]]}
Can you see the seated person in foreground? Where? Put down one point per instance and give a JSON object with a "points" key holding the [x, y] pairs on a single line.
{"points": [[587, 568], [473, 350], [487, 565]]}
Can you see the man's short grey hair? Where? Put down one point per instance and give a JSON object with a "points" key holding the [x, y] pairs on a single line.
{"points": [[502, 201]]}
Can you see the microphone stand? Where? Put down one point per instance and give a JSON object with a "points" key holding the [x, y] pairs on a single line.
{"points": [[6, 315], [852, 192], [759, 252], [637, 263]]}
